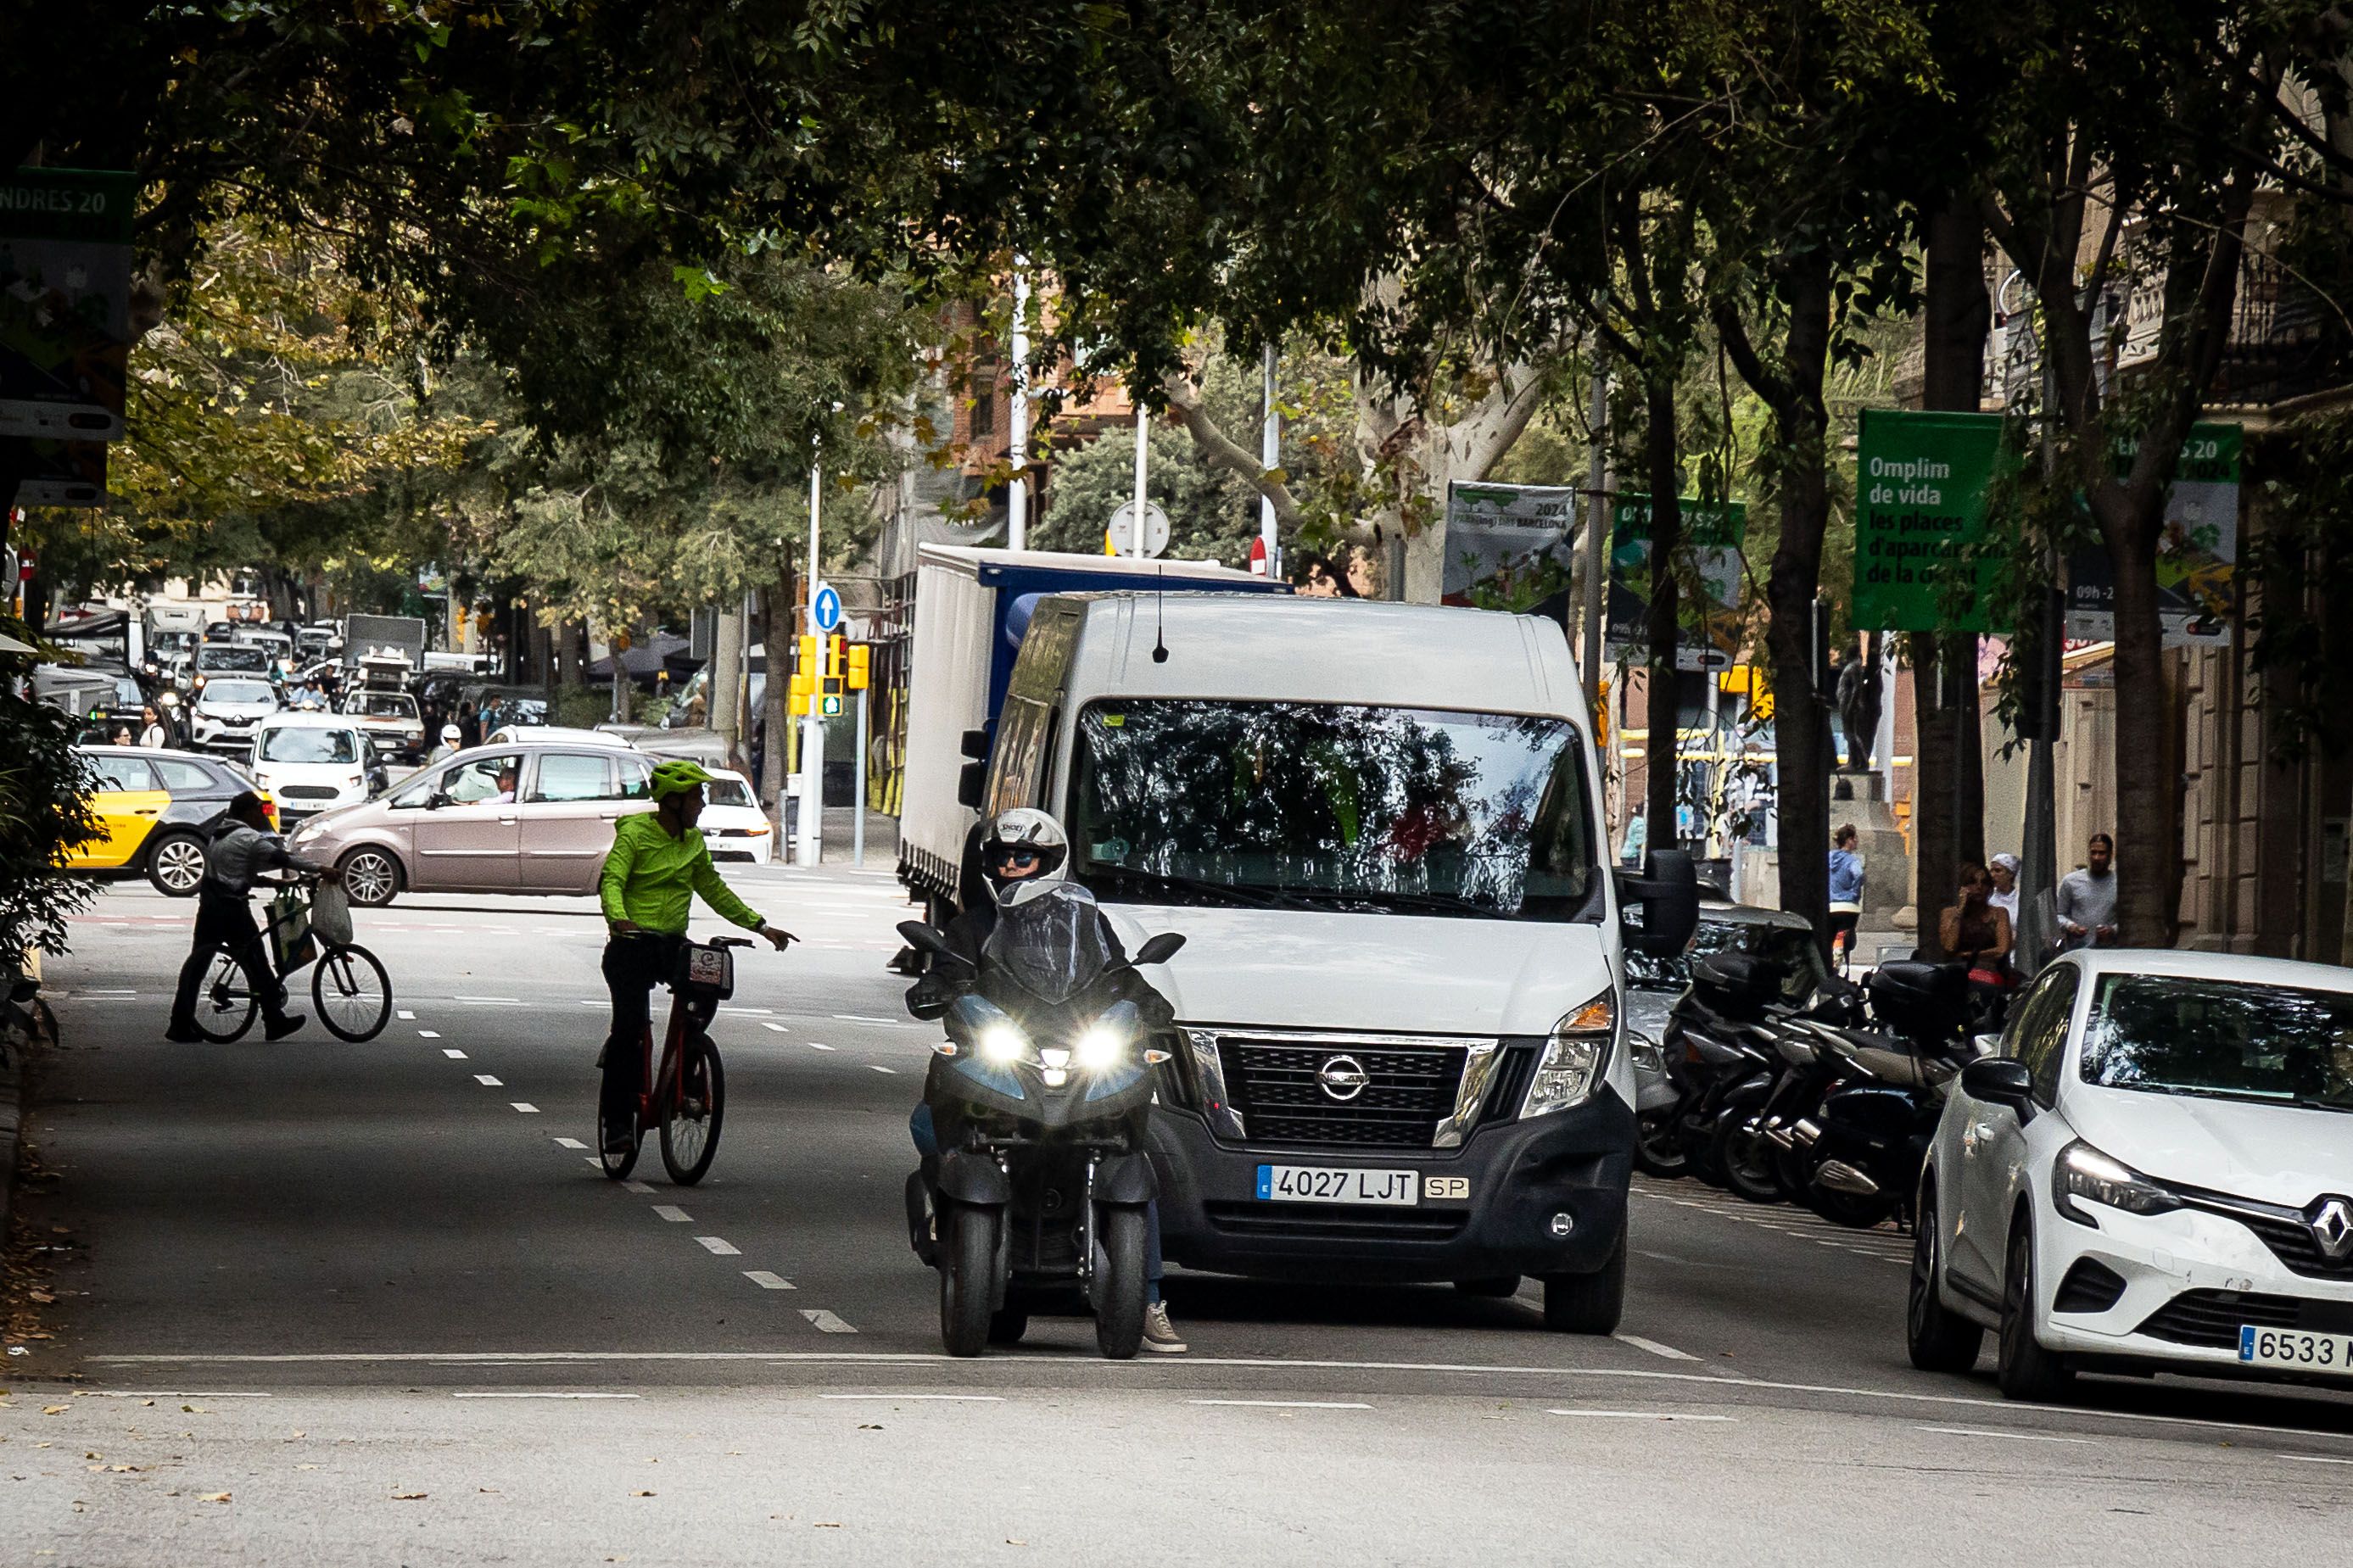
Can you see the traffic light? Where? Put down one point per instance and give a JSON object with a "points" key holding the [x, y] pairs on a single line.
{"points": [[804, 669], [862, 666], [834, 655]]}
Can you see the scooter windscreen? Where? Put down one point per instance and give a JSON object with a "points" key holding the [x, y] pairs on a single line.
{"points": [[1051, 944]]}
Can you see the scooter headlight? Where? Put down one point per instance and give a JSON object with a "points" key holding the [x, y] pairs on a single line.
{"points": [[1573, 1058], [1002, 1045], [1102, 1046]]}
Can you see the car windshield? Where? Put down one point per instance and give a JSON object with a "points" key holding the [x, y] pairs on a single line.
{"points": [[1409, 811], [727, 792], [216, 657], [384, 705], [239, 692], [2172, 1035], [299, 744]]}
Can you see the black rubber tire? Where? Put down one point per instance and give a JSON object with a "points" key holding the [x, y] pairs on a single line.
{"points": [[1746, 1158], [380, 877], [176, 864], [224, 1023], [1658, 1150], [1938, 1339], [1119, 1289], [1491, 1288], [618, 1167], [704, 1077], [348, 975], [1006, 1327], [1588, 1303], [2025, 1371], [967, 1277]]}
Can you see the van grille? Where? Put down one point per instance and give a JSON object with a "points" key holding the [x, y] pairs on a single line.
{"points": [[1278, 1086]]}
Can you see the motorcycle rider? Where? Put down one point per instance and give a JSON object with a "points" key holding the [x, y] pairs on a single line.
{"points": [[658, 863], [1025, 847]]}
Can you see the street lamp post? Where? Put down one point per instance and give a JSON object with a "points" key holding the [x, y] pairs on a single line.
{"points": [[810, 837]]}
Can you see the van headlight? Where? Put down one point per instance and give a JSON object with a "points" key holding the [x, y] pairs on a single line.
{"points": [[1573, 1057], [2083, 1172]]}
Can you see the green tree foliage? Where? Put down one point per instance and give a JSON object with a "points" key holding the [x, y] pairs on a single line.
{"points": [[44, 818], [1212, 516]]}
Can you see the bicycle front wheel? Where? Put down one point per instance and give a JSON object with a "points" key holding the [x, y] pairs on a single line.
{"points": [[353, 996], [693, 1103], [225, 1007]]}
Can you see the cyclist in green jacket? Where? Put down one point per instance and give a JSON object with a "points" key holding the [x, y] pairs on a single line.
{"points": [[658, 863]]}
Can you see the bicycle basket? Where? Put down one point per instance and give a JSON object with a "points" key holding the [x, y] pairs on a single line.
{"points": [[708, 973], [289, 932], [331, 913]]}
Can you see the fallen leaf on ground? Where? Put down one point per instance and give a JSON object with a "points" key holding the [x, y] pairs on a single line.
{"points": [[306, 1466], [868, 1426], [409, 1497], [42, 1296], [825, 1524], [1010, 1541], [54, 1409], [641, 1494], [300, 1434], [214, 1497]]}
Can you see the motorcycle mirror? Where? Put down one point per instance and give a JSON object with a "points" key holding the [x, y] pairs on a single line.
{"points": [[974, 745], [1668, 892], [920, 936], [24, 990], [1159, 949]]}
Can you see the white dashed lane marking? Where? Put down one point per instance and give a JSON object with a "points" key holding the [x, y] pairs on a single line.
{"points": [[539, 1393], [876, 1067], [672, 1212], [1642, 1415], [407, 1016], [488, 1081], [453, 1053], [1285, 1403], [826, 1324], [933, 1398], [638, 1187], [766, 1280], [428, 1034], [526, 1106], [570, 1143], [815, 1045], [719, 1247], [1654, 1347], [2015, 1437]]}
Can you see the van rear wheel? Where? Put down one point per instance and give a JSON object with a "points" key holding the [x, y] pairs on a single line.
{"points": [[1588, 1303]]}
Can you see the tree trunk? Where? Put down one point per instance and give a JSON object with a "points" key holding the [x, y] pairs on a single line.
{"points": [[778, 638], [1662, 773], [1964, 719], [2146, 789]]}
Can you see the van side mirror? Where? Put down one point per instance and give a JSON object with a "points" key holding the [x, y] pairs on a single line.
{"points": [[1668, 894], [1159, 949], [971, 782], [974, 745], [2001, 1081]]}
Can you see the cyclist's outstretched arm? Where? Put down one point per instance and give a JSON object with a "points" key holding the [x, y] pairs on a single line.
{"points": [[721, 898]]}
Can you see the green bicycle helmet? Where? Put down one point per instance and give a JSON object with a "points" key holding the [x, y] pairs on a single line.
{"points": [[676, 777]]}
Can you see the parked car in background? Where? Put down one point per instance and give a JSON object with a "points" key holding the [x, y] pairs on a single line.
{"points": [[514, 817], [2155, 1172], [510, 733], [315, 761], [155, 807], [734, 826], [227, 711], [391, 720]]}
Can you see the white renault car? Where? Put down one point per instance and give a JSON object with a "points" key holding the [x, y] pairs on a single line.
{"points": [[226, 710], [2156, 1173]]}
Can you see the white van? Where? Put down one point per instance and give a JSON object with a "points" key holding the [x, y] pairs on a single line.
{"points": [[314, 762], [1400, 1051]]}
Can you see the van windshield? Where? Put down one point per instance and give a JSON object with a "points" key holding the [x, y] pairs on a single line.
{"points": [[1329, 806], [296, 743]]}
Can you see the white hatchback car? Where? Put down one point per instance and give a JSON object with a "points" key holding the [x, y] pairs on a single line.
{"points": [[2156, 1172], [733, 823], [315, 761]]}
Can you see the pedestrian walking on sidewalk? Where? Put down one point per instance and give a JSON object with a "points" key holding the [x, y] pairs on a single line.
{"points": [[2087, 898], [242, 849], [1846, 892]]}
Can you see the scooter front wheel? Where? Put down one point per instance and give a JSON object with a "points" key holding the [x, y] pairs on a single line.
{"points": [[967, 1277], [1118, 1284]]}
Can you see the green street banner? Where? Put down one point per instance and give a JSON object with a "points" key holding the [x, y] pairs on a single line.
{"points": [[65, 302], [1502, 530], [2197, 556], [1713, 533], [1921, 482]]}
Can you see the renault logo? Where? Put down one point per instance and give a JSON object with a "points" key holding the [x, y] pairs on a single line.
{"points": [[1343, 1077], [2332, 1229]]}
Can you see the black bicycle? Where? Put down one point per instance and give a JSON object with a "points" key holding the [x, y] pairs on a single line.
{"points": [[348, 985]]}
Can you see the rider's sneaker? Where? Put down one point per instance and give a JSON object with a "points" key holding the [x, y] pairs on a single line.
{"points": [[620, 1146], [284, 1026], [1159, 1334], [184, 1035]]}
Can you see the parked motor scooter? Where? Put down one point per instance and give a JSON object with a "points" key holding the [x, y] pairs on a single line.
{"points": [[1863, 1148], [1038, 1099]]}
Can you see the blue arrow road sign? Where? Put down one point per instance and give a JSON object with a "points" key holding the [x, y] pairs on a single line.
{"points": [[825, 608]]}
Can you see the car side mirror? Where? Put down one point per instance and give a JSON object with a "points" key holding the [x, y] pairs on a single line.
{"points": [[971, 782], [2001, 1081], [974, 745], [1159, 949], [1668, 894], [437, 800]]}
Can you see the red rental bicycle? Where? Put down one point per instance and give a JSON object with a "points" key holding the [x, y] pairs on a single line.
{"points": [[687, 1099]]}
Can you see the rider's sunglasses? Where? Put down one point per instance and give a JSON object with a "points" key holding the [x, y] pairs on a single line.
{"points": [[1016, 859]]}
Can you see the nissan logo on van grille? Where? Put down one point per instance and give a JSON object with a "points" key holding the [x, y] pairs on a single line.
{"points": [[1343, 1077]]}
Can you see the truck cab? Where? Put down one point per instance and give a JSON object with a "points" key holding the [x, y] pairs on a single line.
{"points": [[1400, 1051]]}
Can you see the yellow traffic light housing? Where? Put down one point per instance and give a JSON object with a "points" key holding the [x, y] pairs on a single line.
{"points": [[862, 666]]}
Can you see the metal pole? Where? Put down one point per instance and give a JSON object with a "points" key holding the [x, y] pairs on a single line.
{"points": [[744, 690], [858, 822], [1269, 456], [1597, 534], [1143, 454], [809, 846], [1017, 493]]}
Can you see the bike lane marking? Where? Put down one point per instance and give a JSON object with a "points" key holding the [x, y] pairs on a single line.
{"points": [[719, 1247], [1641, 1415], [767, 1280], [488, 1080], [570, 1143], [453, 1053], [673, 1213], [2012, 1437], [1285, 1403], [1654, 1347], [524, 1106], [826, 1324], [428, 1034]]}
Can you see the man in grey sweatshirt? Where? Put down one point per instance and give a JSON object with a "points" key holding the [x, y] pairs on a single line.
{"points": [[2087, 898]]}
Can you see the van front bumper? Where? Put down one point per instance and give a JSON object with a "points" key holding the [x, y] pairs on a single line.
{"points": [[1522, 1177]]}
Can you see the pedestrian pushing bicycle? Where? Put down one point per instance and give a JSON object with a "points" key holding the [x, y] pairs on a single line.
{"points": [[657, 866], [231, 973]]}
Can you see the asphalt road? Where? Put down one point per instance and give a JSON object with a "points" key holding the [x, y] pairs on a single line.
{"points": [[317, 1302]]}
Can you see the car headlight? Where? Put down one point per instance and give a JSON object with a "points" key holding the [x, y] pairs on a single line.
{"points": [[2083, 1172], [1573, 1057], [1002, 1043], [1101, 1047]]}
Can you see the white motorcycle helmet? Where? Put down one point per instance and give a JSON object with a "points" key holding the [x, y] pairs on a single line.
{"points": [[1024, 829]]}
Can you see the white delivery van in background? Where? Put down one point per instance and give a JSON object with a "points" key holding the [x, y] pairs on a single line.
{"points": [[1400, 1052]]}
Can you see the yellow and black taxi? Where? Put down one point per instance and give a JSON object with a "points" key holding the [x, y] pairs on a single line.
{"points": [[153, 807]]}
